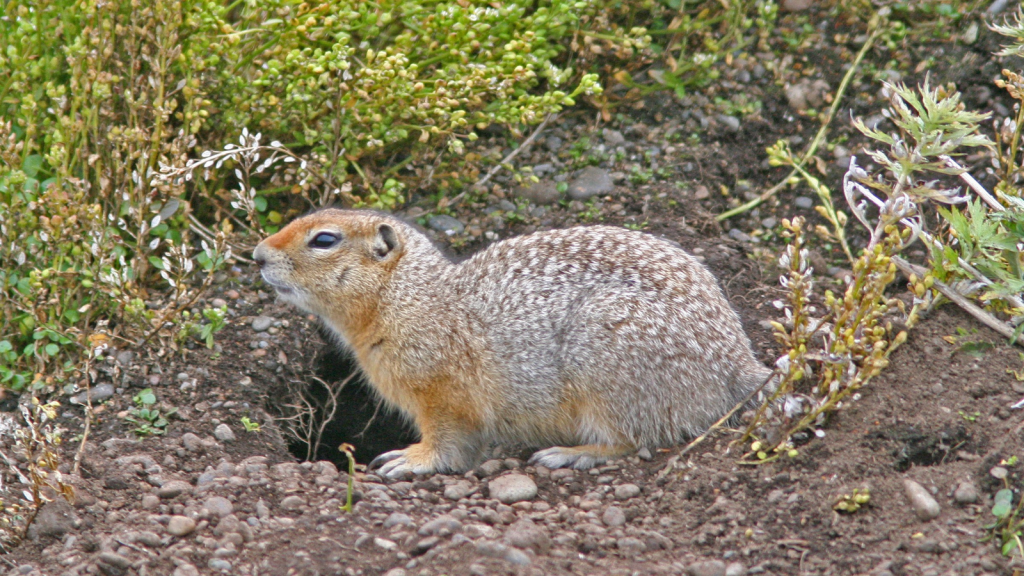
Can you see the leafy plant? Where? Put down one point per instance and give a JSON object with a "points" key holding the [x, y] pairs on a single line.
{"points": [[147, 417], [38, 443], [1008, 529], [250, 425], [852, 502], [348, 449]]}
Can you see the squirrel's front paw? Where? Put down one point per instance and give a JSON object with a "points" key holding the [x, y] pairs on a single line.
{"points": [[397, 464]]}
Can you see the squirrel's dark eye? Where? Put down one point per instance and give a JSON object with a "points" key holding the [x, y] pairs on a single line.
{"points": [[324, 240]]}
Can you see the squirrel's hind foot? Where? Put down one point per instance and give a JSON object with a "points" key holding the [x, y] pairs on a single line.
{"points": [[578, 457]]}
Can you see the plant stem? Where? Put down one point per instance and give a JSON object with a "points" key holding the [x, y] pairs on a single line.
{"points": [[876, 29]]}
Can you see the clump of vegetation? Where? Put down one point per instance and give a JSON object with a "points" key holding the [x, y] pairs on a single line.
{"points": [[832, 352], [1008, 529], [34, 464], [148, 418]]}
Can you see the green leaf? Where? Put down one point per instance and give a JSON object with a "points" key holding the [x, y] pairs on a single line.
{"points": [[32, 164], [5, 346], [156, 262], [261, 203], [1003, 503], [146, 397], [52, 349]]}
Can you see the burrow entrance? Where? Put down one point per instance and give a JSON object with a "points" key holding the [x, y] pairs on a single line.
{"points": [[358, 417]]}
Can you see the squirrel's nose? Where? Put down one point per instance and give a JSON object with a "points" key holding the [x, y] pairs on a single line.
{"points": [[259, 255]]}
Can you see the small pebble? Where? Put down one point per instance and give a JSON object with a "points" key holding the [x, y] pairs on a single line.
{"points": [[292, 502], [706, 568], [219, 506], [180, 525], [513, 488], [966, 493], [262, 323], [921, 501], [224, 433], [735, 569], [613, 517], [458, 491], [626, 491], [803, 202]]}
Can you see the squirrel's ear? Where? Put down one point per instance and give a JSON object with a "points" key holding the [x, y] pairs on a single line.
{"points": [[385, 242]]}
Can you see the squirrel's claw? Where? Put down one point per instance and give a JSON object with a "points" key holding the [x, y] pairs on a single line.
{"points": [[384, 458], [399, 464]]}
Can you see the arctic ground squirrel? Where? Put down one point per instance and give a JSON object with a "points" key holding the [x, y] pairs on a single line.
{"points": [[587, 342]]}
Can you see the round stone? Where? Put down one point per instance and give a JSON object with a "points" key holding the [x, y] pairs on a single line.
{"points": [[181, 525], [513, 488]]}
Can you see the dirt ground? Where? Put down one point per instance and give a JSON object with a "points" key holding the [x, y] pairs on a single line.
{"points": [[211, 497]]}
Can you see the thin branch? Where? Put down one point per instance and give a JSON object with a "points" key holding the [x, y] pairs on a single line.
{"points": [[494, 169], [818, 138], [974, 184], [970, 307]]}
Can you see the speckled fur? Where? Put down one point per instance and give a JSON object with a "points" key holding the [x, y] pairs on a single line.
{"points": [[597, 340]]}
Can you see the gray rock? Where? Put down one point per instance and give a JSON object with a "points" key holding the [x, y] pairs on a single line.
{"points": [[631, 546], [513, 488], [545, 168], [262, 323], [806, 94], [490, 468], [803, 202], [706, 568], [613, 137], [739, 235], [921, 501], [541, 193], [191, 442], [517, 557], [525, 534], [219, 506], [770, 222], [180, 526], [397, 519], [459, 490], [116, 560], [425, 544], [732, 123], [446, 224], [219, 564], [644, 453], [442, 522], [55, 519], [292, 503], [396, 572], [385, 544], [174, 488], [223, 433], [553, 143], [591, 181], [613, 516], [124, 358], [796, 5], [736, 569], [97, 393], [186, 569], [148, 538], [966, 493], [626, 491]]}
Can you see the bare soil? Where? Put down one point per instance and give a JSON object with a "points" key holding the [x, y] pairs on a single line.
{"points": [[939, 415]]}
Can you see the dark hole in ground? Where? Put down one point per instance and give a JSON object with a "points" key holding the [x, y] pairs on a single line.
{"points": [[921, 447], [359, 419]]}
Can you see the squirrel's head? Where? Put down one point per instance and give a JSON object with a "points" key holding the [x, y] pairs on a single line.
{"points": [[331, 259]]}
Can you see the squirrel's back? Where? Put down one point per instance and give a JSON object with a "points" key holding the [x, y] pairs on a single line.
{"points": [[601, 339]]}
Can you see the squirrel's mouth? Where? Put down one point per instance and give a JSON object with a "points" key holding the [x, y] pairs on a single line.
{"points": [[279, 288]]}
